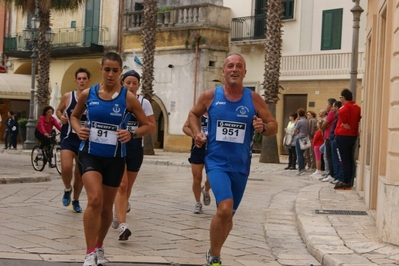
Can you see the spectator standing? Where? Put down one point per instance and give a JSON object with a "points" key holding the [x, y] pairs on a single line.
{"points": [[301, 131], [7, 131], [346, 133], [317, 141], [290, 142], [334, 152], [14, 131], [327, 125], [309, 153]]}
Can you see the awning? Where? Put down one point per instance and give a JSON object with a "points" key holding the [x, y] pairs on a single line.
{"points": [[15, 86]]}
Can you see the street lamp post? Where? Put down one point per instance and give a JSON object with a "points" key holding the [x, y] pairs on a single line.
{"points": [[31, 33], [357, 11]]}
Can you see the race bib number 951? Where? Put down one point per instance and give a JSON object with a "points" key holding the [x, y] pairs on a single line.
{"points": [[230, 131], [103, 133]]}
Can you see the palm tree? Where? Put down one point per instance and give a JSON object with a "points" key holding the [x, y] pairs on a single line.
{"points": [[271, 86], [149, 39], [43, 8]]}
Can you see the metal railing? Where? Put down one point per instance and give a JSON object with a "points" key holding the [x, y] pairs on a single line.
{"points": [[248, 28], [82, 36]]}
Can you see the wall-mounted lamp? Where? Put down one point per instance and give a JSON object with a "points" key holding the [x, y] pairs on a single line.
{"points": [[171, 66]]}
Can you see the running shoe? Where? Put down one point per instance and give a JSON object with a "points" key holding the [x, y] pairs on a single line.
{"points": [[66, 199], [75, 206], [300, 172], [198, 208], [206, 198], [115, 223], [101, 260], [124, 232], [212, 260], [90, 259], [328, 179]]}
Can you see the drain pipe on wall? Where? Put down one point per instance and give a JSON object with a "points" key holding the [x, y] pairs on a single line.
{"points": [[197, 37], [120, 22]]}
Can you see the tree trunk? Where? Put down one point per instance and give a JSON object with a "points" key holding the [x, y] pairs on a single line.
{"points": [[269, 152]]}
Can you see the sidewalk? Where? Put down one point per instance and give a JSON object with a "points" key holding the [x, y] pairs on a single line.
{"points": [[334, 239]]}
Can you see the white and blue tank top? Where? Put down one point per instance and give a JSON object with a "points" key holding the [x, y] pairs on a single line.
{"points": [[66, 129], [104, 118], [230, 133]]}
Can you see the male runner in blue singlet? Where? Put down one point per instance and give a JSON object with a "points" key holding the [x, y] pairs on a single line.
{"points": [[234, 114], [70, 141]]}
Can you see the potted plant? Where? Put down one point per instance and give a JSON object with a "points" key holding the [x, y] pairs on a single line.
{"points": [[22, 128], [163, 15]]}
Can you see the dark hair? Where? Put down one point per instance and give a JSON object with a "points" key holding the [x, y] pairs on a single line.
{"points": [[312, 113], [294, 115], [131, 73], [45, 109], [113, 57], [338, 104], [11, 112], [347, 94], [82, 70], [331, 101], [301, 112]]}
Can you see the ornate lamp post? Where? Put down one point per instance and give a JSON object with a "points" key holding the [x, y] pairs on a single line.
{"points": [[357, 11], [31, 34]]}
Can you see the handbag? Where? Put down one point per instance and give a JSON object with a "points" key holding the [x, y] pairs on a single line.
{"points": [[304, 143], [287, 140]]}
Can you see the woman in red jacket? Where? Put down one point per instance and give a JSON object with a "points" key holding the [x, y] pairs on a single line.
{"points": [[45, 125]]}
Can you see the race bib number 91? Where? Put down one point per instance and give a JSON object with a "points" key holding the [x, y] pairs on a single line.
{"points": [[230, 131], [103, 133]]}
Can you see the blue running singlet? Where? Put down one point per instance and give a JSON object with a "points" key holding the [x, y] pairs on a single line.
{"points": [[67, 131], [104, 118], [230, 133]]}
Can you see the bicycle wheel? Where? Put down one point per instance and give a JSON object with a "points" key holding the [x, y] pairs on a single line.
{"points": [[57, 157], [37, 159]]}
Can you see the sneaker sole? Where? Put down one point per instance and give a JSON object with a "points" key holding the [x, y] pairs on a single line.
{"points": [[125, 235]]}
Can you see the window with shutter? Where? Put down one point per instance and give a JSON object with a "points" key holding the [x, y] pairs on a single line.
{"points": [[331, 34]]}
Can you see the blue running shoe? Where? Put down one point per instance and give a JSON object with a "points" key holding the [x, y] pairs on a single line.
{"points": [[66, 199], [75, 206]]}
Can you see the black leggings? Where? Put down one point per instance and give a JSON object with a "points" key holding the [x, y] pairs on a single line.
{"points": [[44, 141]]}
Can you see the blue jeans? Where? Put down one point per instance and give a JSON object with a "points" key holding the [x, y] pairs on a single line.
{"points": [[346, 146], [299, 155], [335, 160]]}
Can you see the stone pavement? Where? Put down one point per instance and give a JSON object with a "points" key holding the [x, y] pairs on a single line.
{"points": [[333, 239]]}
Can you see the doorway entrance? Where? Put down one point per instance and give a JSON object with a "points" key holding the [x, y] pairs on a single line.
{"points": [[292, 102]]}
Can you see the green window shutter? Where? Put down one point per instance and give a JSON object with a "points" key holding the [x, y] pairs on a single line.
{"points": [[288, 12], [331, 34]]}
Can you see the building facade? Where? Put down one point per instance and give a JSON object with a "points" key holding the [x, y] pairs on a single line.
{"points": [[377, 176]]}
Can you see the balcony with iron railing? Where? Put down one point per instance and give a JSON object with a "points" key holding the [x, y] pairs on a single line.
{"points": [[63, 38]]}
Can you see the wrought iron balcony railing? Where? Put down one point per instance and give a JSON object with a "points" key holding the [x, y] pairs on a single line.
{"points": [[64, 37], [248, 28]]}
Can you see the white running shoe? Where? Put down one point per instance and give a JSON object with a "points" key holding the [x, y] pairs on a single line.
{"points": [[206, 198], [328, 179], [90, 259], [101, 260], [124, 232], [198, 208], [317, 172], [115, 222]]}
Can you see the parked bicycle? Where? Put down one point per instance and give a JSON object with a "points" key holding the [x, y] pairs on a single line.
{"points": [[52, 152]]}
